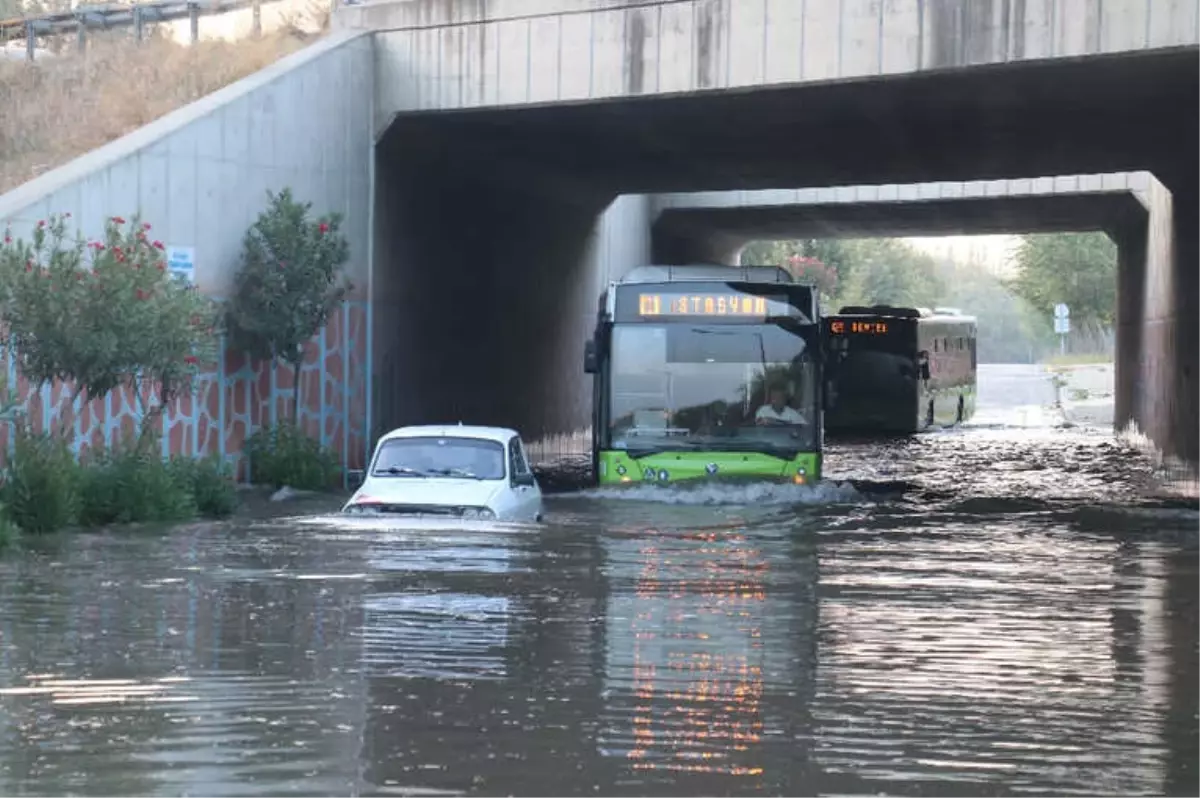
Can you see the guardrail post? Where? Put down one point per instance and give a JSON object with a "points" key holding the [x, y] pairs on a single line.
{"points": [[30, 40], [81, 34], [137, 24], [257, 18], [194, 21]]}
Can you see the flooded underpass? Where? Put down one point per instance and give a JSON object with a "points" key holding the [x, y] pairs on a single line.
{"points": [[1007, 608]]}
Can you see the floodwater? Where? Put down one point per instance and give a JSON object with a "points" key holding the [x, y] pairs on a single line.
{"points": [[993, 610]]}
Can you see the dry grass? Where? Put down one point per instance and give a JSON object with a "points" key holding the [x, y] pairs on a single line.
{"points": [[58, 109]]}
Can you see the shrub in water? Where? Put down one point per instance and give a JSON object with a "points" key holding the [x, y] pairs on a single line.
{"points": [[9, 533], [133, 484], [284, 455], [211, 484], [41, 483]]}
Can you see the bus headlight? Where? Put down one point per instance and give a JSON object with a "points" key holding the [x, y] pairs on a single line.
{"points": [[801, 476]]}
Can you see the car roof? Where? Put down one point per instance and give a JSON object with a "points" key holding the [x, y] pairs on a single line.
{"points": [[497, 434]]}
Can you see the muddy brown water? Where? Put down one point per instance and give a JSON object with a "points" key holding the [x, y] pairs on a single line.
{"points": [[991, 611]]}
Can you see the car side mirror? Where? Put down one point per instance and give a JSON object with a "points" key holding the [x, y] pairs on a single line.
{"points": [[354, 478], [591, 363], [528, 480]]}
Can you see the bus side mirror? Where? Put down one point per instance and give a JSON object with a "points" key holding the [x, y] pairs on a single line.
{"points": [[923, 364], [591, 364]]}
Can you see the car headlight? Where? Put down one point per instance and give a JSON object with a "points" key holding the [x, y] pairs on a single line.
{"points": [[481, 513], [362, 509]]}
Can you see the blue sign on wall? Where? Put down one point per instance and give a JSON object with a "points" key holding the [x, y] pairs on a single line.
{"points": [[182, 263]]}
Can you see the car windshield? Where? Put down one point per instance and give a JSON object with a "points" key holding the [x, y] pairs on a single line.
{"points": [[463, 458], [716, 387]]}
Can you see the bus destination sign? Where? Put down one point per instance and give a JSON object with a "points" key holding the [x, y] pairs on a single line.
{"points": [[715, 304], [840, 327]]}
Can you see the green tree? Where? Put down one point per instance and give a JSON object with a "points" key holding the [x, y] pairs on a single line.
{"points": [[289, 283], [1009, 330], [1079, 269], [103, 314], [888, 271]]}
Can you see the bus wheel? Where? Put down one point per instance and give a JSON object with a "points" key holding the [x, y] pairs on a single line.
{"points": [[959, 420]]}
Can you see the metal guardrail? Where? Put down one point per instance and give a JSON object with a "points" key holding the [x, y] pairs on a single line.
{"points": [[105, 17]]}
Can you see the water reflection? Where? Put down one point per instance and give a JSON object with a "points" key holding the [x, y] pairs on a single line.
{"points": [[133, 665], [707, 633]]}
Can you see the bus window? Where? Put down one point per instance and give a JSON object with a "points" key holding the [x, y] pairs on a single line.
{"points": [[935, 344]]}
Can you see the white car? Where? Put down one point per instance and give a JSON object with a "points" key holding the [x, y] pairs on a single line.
{"points": [[451, 472]]}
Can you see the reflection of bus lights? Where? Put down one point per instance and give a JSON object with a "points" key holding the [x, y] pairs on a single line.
{"points": [[713, 698]]}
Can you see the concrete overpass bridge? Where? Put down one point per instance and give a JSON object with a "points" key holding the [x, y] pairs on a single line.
{"points": [[499, 161]]}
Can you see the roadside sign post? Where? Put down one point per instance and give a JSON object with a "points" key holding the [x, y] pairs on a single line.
{"points": [[1062, 325]]}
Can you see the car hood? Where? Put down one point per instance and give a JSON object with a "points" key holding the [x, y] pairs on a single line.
{"points": [[429, 491]]}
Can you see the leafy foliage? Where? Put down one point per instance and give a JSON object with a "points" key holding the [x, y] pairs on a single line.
{"points": [[812, 270], [133, 484], [1079, 269], [284, 455], [855, 271], [211, 484], [289, 283], [103, 314], [10, 533], [41, 483]]}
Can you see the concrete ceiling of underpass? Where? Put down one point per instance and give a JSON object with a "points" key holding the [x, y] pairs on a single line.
{"points": [[1109, 212], [1096, 115]]}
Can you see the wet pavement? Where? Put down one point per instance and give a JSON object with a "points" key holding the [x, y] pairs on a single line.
{"points": [[993, 610]]}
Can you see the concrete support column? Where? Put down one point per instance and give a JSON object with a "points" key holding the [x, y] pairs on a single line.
{"points": [[1131, 292], [1158, 321], [1175, 348]]}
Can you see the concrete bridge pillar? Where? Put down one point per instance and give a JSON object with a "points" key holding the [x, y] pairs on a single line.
{"points": [[1158, 321]]}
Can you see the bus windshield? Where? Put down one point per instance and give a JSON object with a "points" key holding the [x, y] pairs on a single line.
{"points": [[713, 387], [873, 365]]}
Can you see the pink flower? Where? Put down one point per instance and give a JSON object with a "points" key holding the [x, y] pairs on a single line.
{"points": [[145, 225], [157, 245], [190, 360], [118, 220], [323, 228]]}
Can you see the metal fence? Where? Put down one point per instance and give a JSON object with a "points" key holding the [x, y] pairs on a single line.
{"points": [[82, 19]]}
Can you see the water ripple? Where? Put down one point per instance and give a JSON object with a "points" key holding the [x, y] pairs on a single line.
{"points": [[991, 610]]}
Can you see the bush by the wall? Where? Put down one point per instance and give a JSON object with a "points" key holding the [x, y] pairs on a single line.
{"points": [[211, 483], [284, 455], [133, 484], [9, 532], [41, 487]]}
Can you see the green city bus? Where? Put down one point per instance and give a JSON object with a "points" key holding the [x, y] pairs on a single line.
{"points": [[706, 372]]}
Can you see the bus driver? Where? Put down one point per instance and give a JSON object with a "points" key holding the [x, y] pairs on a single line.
{"points": [[777, 412]]}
